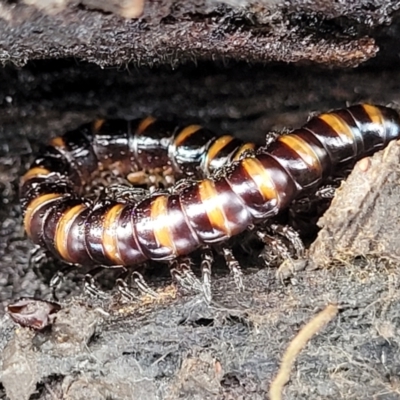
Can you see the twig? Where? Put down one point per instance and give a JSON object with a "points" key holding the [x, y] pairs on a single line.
{"points": [[296, 345]]}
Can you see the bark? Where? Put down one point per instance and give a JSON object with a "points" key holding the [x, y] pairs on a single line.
{"points": [[174, 32]]}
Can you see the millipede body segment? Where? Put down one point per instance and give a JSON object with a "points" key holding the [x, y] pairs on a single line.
{"points": [[247, 191]]}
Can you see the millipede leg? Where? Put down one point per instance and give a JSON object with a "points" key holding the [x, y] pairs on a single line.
{"points": [[57, 279], [167, 178], [161, 178], [125, 290], [153, 182], [292, 236], [140, 283], [275, 248], [270, 138], [234, 267], [36, 256], [123, 287], [152, 179], [143, 287], [90, 286], [279, 249], [207, 259], [181, 271], [305, 204], [181, 185], [326, 192], [125, 193], [138, 178]]}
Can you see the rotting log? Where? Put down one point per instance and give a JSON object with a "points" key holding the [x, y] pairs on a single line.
{"points": [[364, 215], [173, 32], [178, 347]]}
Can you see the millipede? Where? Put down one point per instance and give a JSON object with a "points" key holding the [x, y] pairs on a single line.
{"points": [[237, 186]]}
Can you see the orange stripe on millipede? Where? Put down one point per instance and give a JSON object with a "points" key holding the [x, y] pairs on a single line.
{"points": [[57, 142], [35, 172], [338, 125], [245, 147], [185, 133], [216, 215], [97, 124], [216, 147], [374, 113], [34, 205], [144, 125], [62, 230], [110, 225], [261, 177], [303, 149], [159, 215]]}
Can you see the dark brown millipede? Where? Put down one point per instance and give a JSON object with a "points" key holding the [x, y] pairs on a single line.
{"points": [[246, 190]]}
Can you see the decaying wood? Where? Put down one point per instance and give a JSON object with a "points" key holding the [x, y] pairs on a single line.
{"points": [[181, 348], [174, 32], [364, 216], [178, 346], [296, 346]]}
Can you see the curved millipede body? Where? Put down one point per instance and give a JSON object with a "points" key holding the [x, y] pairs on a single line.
{"points": [[165, 226]]}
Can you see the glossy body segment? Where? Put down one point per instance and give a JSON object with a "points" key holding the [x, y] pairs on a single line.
{"points": [[209, 211], [150, 143]]}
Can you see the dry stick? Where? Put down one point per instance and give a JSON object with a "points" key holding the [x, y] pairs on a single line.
{"points": [[296, 345]]}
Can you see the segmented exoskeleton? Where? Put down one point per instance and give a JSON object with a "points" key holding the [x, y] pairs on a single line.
{"points": [[247, 192]]}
